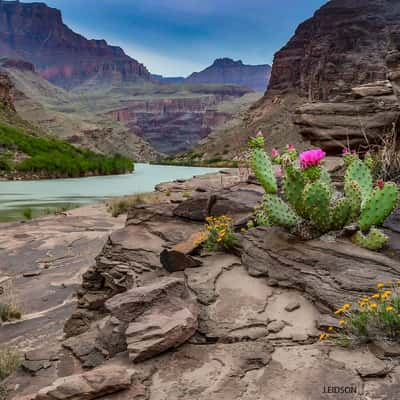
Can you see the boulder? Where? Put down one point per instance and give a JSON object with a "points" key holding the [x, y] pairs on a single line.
{"points": [[87, 386], [179, 257], [159, 316]]}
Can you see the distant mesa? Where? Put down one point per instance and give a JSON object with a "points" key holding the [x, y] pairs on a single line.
{"points": [[168, 79], [36, 33], [228, 71]]}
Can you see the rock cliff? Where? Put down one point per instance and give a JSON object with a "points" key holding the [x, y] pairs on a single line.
{"points": [[36, 33], [228, 71], [329, 83], [336, 64]]}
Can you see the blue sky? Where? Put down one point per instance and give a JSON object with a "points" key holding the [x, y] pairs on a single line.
{"points": [[177, 37]]}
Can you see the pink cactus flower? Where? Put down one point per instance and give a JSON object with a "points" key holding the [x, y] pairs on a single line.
{"points": [[354, 152], [274, 153], [380, 184], [290, 147], [311, 158], [346, 150], [279, 172]]}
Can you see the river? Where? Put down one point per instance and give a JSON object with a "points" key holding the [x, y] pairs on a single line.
{"points": [[16, 197]]}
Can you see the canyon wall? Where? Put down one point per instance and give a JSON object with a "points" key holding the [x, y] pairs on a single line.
{"points": [[172, 125], [336, 64], [36, 33]]}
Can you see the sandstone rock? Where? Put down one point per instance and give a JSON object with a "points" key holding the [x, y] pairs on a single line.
{"points": [[276, 326], [352, 121], [292, 306], [160, 316], [331, 274], [87, 386], [196, 209], [385, 349], [174, 261], [178, 258]]}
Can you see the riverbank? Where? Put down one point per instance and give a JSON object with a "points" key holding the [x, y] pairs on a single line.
{"points": [[46, 196]]}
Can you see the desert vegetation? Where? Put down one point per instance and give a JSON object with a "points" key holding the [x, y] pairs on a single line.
{"points": [[313, 206], [53, 157]]}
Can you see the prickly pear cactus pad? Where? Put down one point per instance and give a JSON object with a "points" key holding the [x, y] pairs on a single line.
{"points": [[310, 203], [378, 206], [374, 240], [357, 171], [262, 165], [316, 200], [279, 212]]}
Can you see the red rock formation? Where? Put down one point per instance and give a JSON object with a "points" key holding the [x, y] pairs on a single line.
{"points": [[228, 71], [172, 124], [36, 33], [335, 67], [343, 45]]}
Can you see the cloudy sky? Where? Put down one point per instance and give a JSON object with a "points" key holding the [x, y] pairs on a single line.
{"points": [[177, 37]]}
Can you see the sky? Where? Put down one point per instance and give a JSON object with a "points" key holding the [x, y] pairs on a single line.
{"points": [[178, 37]]}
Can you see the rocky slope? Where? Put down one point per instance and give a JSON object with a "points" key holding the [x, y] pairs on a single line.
{"points": [[65, 115], [323, 70], [6, 97], [36, 33], [228, 71], [232, 327]]}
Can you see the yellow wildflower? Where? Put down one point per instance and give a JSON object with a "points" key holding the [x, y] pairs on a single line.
{"points": [[376, 296], [373, 305], [339, 311], [389, 308], [243, 230], [387, 293], [323, 336], [342, 322], [330, 329], [219, 239], [346, 306], [380, 285]]}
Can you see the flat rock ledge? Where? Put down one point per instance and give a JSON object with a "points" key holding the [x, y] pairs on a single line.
{"points": [[330, 273]]}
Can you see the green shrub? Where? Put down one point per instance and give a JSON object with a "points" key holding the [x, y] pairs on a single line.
{"points": [[28, 213], [60, 158], [9, 312]]}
